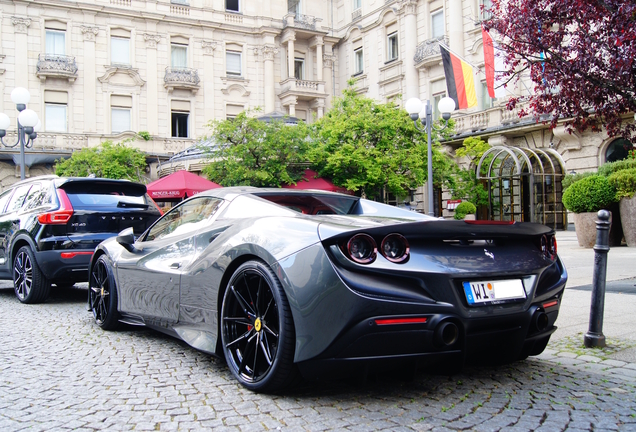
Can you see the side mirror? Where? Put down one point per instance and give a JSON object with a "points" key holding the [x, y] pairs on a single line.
{"points": [[126, 238]]}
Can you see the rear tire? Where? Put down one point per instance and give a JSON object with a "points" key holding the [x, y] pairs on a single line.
{"points": [[29, 283], [257, 330], [102, 292]]}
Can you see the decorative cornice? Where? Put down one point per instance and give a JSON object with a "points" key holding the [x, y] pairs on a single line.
{"points": [[316, 40], [21, 24], [208, 47], [289, 34], [89, 33], [112, 70], [152, 40], [407, 7]]}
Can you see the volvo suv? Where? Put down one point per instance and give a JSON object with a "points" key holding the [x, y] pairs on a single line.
{"points": [[50, 226]]}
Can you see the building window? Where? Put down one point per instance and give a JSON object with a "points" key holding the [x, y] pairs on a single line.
{"points": [[55, 117], [232, 5], [299, 68], [178, 56], [358, 58], [231, 111], [436, 98], [619, 149], [119, 50], [293, 7], [486, 101], [357, 4], [392, 45], [437, 24], [233, 63], [484, 9], [55, 42], [120, 120], [180, 124]]}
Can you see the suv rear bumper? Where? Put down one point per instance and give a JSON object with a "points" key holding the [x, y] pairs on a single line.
{"points": [[65, 265]]}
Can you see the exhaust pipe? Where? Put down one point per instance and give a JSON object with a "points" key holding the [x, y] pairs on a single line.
{"points": [[540, 320], [446, 334]]}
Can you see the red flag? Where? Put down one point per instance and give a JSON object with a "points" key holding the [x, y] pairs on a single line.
{"points": [[489, 61]]}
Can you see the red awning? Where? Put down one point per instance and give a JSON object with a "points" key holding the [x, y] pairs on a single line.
{"points": [[310, 181], [178, 185]]}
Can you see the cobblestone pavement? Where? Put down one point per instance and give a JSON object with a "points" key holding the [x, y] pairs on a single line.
{"points": [[59, 371]]}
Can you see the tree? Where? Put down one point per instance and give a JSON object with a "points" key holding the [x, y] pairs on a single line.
{"points": [[367, 147], [108, 160], [580, 55], [251, 152], [464, 183]]}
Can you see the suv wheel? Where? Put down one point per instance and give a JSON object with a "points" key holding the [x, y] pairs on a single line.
{"points": [[30, 285]]}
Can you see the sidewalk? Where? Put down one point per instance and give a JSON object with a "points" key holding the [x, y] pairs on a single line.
{"points": [[619, 320]]}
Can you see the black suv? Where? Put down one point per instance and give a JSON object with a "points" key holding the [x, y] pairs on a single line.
{"points": [[50, 226]]}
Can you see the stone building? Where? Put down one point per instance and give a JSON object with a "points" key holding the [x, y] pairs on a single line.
{"points": [[106, 69]]}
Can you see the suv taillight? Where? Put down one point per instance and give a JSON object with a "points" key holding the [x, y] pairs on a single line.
{"points": [[61, 215]]}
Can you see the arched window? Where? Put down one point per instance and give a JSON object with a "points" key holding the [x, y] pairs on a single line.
{"points": [[618, 150]]}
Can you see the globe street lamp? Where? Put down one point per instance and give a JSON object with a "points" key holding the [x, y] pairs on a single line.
{"points": [[28, 124], [418, 109]]}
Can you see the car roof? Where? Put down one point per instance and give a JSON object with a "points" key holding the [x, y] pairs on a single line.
{"points": [[229, 193]]}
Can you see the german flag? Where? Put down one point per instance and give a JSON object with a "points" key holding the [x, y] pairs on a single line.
{"points": [[459, 79]]}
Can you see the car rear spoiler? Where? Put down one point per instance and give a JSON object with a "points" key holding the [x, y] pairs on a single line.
{"points": [[103, 186]]}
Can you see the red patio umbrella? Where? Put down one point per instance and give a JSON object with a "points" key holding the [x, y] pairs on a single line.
{"points": [[311, 181], [178, 185]]}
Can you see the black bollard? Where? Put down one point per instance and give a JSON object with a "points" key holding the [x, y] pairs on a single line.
{"points": [[594, 336]]}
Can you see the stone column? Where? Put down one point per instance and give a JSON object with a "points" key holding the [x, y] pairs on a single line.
{"points": [[208, 78], [456, 26], [318, 42], [152, 90], [20, 27], [328, 62], [409, 12], [90, 78], [270, 95], [289, 36]]}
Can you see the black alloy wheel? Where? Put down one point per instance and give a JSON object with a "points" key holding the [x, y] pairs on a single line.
{"points": [[103, 295], [29, 284], [257, 330]]}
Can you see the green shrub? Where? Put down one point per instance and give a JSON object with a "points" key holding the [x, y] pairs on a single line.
{"points": [[609, 168], [464, 208], [572, 178], [590, 194], [624, 181]]}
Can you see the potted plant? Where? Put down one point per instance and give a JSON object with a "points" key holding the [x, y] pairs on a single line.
{"points": [[465, 210], [585, 198], [624, 181]]}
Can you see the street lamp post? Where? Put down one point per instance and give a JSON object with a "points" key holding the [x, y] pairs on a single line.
{"points": [[28, 124], [418, 109]]}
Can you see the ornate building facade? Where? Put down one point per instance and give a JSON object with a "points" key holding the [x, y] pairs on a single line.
{"points": [[107, 69]]}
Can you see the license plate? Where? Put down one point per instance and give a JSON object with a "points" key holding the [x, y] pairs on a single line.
{"points": [[493, 291]]}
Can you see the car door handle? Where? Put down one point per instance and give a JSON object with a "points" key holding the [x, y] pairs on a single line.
{"points": [[175, 265]]}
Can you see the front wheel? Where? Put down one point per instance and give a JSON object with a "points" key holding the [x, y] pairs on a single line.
{"points": [[29, 283], [102, 292], [257, 331]]}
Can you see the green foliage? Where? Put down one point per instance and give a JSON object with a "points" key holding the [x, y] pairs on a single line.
{"points": [[568, 179], [624, 181], [368, 148], [609, 168], [463, 184], [590, 194], [474, 148], [144, 135], [464, 208], [256, 153], [108, 160]]}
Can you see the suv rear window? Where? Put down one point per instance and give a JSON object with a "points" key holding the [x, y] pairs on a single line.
{"points": [[104, 200]]}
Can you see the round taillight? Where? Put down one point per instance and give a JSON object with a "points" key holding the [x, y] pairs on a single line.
{"points": [[362, 248], [553, 247], [544, 246], [395, 248]]}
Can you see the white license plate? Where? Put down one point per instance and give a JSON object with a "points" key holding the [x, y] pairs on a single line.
{"points": [[493, 291]]}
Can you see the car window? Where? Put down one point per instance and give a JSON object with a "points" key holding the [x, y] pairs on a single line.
{"points": [[38, 196], [18, 197], [4, 198], [187, 217]]}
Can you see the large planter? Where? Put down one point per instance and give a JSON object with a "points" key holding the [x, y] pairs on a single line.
{"points": [[628, 219], [585, 226]]}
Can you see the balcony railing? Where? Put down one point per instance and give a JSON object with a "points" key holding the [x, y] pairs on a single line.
{"points": [[183, 78], [56, 66], [429, 48], [356, 14], [307, 22]]}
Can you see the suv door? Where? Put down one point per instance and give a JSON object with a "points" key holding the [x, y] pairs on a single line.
{"points": [[10, 224]]}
